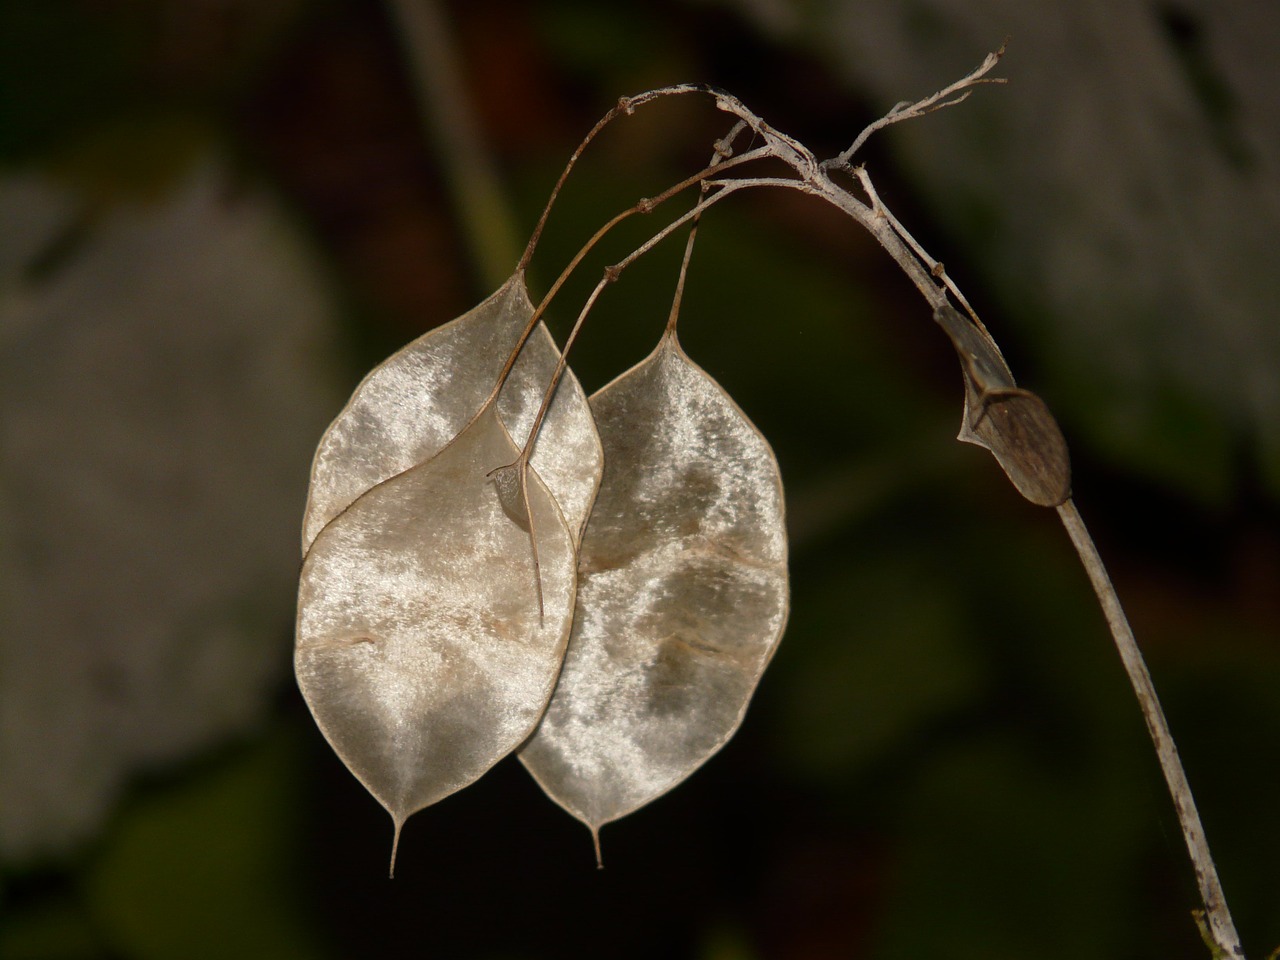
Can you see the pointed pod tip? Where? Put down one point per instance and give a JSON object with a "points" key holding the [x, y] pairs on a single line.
{"points": [[595, 842], [395, 846]]}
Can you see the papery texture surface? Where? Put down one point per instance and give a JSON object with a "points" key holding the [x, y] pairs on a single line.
{"points": [[416, 401], [682, 593], [420, 648]]}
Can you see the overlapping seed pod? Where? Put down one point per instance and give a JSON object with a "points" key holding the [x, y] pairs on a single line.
{"points": [[682, 593], [417, 400], [433, 611]]}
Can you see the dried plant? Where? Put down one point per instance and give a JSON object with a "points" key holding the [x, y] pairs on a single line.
{"points": [[466, 595]]}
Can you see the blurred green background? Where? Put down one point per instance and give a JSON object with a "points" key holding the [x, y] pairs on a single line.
{"points": [[215, 215]]}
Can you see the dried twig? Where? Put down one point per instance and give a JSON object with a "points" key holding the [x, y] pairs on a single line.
{"points": [[949, 96], [1215, 920]]}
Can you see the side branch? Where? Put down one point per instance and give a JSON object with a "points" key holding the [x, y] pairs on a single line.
{"points": [[948, 96], [646, 205], [612, 272]]}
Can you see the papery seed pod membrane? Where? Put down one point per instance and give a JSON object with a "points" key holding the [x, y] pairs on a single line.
{"points": [[421, 648], [682, 593], [417, 400], [1014, 424]]}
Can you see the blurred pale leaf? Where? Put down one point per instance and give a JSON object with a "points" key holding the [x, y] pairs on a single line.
{"points": [[33, 212], [162, 379]]}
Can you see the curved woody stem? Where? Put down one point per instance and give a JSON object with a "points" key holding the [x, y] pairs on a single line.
{"points": [[1217, 920]]}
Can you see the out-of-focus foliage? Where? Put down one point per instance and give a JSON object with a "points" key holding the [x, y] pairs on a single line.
{"points": [[159, 888], [944, 726], [162, 366]]}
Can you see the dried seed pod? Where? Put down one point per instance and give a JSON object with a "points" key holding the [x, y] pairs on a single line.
{"points": [[682, 593], [418, 399], [1014, 424], [421, 650]]}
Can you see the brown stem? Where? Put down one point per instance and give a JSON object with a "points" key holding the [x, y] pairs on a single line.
{"points": [[643, 206], [610, 275], [1217, 916]]}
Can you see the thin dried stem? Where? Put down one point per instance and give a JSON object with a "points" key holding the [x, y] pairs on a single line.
{"points": [[612, 273], [882, 230], [645, 205], [520, 465], [625, 106], [935, 266], [923, 271], [564, 175], [949, 96], [533, 535], [723, 150], [1217, 917], [678, 296]]}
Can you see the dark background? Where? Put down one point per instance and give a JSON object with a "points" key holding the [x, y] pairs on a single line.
{"points": [[943, 759]]}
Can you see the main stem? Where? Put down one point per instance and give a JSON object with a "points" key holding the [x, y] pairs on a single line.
{"points": [[1221, 928]]}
